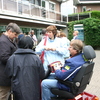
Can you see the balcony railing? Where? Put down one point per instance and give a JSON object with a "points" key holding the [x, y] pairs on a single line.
{"points": [[26, 9], [76, 17], [30, 10]]}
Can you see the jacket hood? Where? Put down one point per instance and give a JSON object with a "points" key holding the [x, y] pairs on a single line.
{"points": [[24, 51], [25, 42]]}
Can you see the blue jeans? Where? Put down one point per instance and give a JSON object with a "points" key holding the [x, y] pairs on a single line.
{"points": [[46, 85]]}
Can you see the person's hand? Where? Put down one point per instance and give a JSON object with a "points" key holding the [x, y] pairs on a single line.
{"points": [[46, 48], [52, 49]]}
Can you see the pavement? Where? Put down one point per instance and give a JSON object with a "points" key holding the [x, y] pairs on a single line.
{"points": [[94, 85]]}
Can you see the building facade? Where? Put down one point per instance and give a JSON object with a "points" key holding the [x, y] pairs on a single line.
{"points": [[86, 5], [32, 14]]}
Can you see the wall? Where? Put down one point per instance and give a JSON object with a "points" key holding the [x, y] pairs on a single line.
{"points": [[92, 6]]}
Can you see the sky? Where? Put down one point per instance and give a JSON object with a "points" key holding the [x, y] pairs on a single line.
{"points": [[67, 7]]}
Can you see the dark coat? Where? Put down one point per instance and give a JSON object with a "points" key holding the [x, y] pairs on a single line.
{"points": [[27, 70], [7, 48]]}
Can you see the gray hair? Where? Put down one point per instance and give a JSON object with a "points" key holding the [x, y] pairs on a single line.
{"points": [[13, 27], [77, 45]]}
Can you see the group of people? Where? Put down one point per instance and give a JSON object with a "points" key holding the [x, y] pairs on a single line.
{"points": [[23, 70]]}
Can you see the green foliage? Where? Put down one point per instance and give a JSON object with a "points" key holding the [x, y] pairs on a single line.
{"points": [[91, 31], [95, 14]]}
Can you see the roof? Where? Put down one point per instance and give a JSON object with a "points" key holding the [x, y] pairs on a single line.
{"points": [[62, 0], [86, 2]]}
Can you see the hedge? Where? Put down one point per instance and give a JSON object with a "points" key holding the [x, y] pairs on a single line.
{"points": [[91, 29]]}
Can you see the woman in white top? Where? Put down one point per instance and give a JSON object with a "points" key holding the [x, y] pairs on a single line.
{"points": [[54, 49]]}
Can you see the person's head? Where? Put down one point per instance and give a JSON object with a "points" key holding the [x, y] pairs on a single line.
{"points": [[20, 36], [76, 47], [62, 34], [12, 30], [51, 31], [25, 42], [43, 31], [32, 32], [75, 33]]}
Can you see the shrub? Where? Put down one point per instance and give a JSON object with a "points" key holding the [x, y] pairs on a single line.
{"points": [[91, 29]]}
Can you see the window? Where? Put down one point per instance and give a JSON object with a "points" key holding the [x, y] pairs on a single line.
{"points": [[2, 29], [32, 1], [25, 1], [36, 2], [43, 3], [83, 8], [51, 6]]}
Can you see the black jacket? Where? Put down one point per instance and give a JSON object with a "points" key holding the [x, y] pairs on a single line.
{"points": [[27, 70], [7, 48]]}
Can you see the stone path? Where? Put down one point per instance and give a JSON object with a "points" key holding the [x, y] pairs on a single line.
{"points": [[94, 86]]}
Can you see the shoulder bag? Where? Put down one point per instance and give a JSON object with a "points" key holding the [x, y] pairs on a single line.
{"points": [[42, 54]]}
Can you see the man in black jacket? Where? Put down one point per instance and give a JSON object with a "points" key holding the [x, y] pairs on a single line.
{"points": [[7, 48]]}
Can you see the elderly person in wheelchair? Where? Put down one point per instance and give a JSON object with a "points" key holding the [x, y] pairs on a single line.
{"points": [[63, 84]]}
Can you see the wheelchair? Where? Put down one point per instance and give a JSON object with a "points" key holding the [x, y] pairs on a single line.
{"points": [[80, 81]]}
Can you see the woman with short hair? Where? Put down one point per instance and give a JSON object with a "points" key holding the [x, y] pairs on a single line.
{"points": [[54, 48]]}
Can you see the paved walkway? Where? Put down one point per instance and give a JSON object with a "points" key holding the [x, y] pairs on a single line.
{"points": [[94, 86]]}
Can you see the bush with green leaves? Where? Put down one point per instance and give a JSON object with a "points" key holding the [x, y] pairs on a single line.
{"points": [[91, 30]]}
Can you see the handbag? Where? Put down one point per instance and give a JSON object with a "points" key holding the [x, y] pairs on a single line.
{"points": [[55, 64], [42, 54], [11, 95]]}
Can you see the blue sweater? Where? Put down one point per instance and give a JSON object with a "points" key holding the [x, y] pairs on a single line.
{"points": [[71, 64]]}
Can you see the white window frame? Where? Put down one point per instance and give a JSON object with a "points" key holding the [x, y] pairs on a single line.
{"points": [[84, 7], [53, 4]]}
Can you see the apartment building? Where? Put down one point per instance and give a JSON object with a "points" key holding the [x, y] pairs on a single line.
{"points": [[32, 14], [86, 5]]}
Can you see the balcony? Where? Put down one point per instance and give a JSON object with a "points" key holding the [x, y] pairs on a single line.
{"points": [[27, 10]]}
